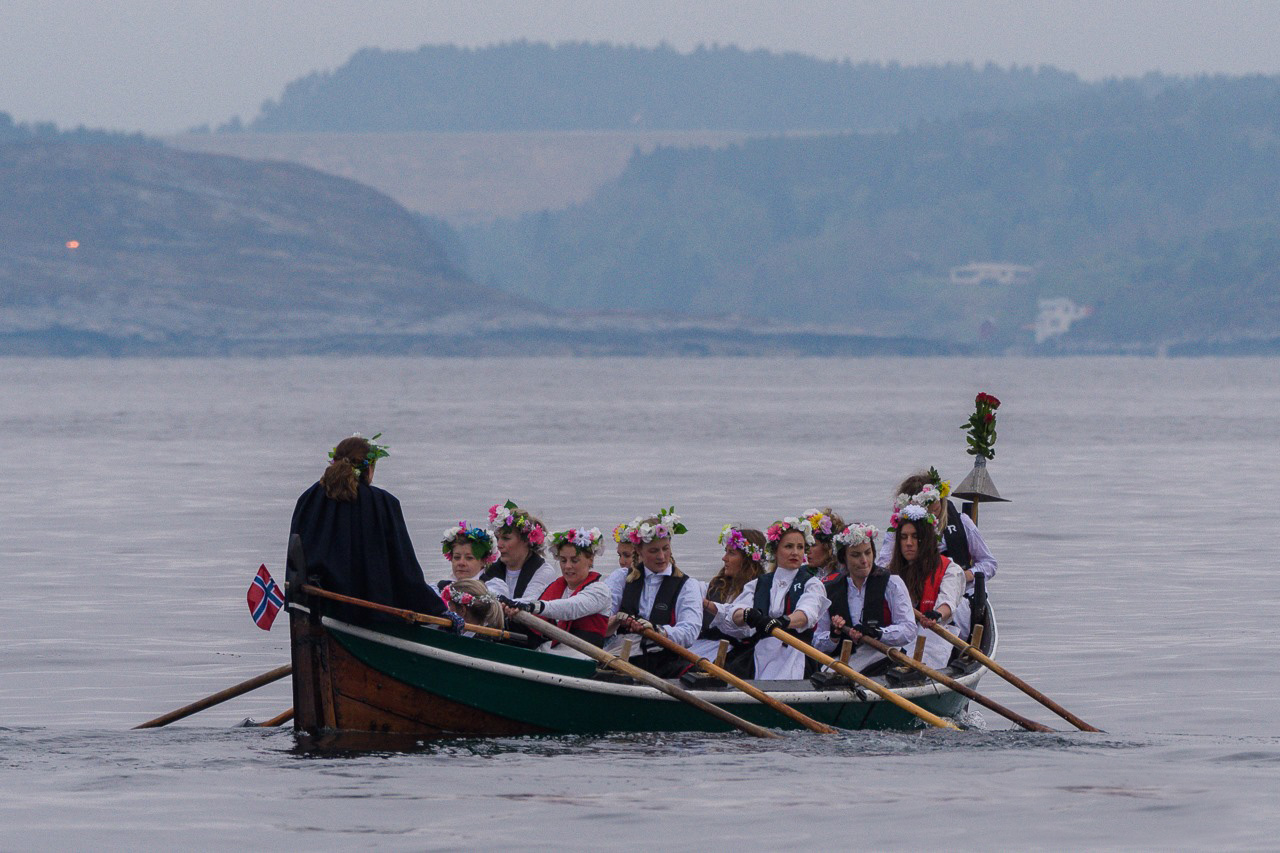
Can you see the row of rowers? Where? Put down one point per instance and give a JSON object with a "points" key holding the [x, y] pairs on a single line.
{"points": [[812, 575]]}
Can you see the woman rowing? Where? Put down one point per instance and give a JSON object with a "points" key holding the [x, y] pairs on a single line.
{"points": [[826, 523], [743, 562], [578, 601], [354, 538], [657, 595], [865, 601], [468, 550], [790, 597], [520, 537], [474, 602], [935, 583]]}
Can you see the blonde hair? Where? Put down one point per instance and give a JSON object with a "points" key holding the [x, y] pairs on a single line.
{"points": [[485, 610]]}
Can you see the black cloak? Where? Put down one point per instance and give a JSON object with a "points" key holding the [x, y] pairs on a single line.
{"points": [[361, 548]]}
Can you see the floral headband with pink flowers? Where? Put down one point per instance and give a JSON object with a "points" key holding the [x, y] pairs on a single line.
{"points": [[482, 543], [510, 518], [776, 531], [640, 532], [731, 537], [466, 599], [823, 526], [911, 513], [855, 535]]}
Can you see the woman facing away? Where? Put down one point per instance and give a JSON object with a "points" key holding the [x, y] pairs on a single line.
{"points": [[578, 601], [743, 562], [656, 595], [520, 537], [865, 601], [790, 597], [354, 538], [474, 602], [935, 583], [468, 550]]}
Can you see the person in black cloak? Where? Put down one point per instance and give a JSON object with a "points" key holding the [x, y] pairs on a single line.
{"points": [[354, 537]]}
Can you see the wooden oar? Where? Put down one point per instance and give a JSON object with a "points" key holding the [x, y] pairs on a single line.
{"points": [[747, 688], [278, 720], [412, 616], [219, 697], [857, 677], [948, 681], [1010, 677], [541, 626]]}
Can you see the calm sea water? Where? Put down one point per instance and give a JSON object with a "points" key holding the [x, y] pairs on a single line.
{"points": [[1136, 586]]}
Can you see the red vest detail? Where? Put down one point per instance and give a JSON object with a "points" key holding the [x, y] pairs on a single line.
{"points": [[932, 585], [589, 626]]}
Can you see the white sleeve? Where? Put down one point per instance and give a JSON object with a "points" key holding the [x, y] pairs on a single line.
{"points": [[903, 630], [813, 601], [616, 583], [983, 560], [951, 590], [744, 601], [541, 579], [885, 553], [497, 586], [688, 615], [593, 598], [822, 633]]}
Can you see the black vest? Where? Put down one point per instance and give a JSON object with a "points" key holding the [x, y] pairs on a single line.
{"points": [[440, 585], [664, 603], [874, 608], [764, 588], [955, 540], [527, 571], [709, 633]]}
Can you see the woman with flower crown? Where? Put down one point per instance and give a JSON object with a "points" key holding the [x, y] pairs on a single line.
{"points": [[475, 603], [958, 536], [935, 583], [354, 537], [865, 601], [656, 594], [520, 537], [790, 597], [743, 562], [578, 601], [469, 550], [826, 523]]}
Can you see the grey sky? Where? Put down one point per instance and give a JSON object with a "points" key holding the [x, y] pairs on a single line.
{"points": [[159, 65]]}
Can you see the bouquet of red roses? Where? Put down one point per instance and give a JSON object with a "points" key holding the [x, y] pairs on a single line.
{"points": [[982, 426]]}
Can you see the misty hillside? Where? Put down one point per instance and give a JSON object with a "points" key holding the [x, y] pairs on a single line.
{"points": [[533, 86], [108, 246], [1162, 212]]}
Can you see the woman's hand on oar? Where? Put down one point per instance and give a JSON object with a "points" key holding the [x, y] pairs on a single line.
{"points": [[729, 678], [1008, 676], [414, 616], [858, 678]]}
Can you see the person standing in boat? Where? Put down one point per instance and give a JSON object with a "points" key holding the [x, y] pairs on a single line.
{"points": [[864, 601], [743, 562], [354, 538], [935, 583], [520, 564], [469, 550], [826, 523], [657, 595], [958, 536], [790, 597], [578, 601]]}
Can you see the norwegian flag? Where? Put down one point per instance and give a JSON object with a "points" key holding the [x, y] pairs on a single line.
{"points": [[265, 599]]}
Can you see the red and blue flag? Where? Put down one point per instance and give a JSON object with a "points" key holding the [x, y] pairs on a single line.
{"points": [[265, 599]]}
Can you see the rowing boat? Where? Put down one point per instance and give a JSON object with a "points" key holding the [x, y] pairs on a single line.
{"points": [[421, 682]]}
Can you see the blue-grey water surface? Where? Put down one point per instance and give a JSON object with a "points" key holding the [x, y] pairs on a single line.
{"points": [[1136, 586]]}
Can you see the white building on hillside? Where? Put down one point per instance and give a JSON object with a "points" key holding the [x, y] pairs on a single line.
{"points": [[992, 273], [1056, 316]]}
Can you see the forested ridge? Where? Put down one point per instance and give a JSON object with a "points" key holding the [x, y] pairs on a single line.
{"points": [[1160, 208]]}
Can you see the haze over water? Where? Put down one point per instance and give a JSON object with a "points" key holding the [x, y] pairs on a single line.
{"points": [[1135, 586]]}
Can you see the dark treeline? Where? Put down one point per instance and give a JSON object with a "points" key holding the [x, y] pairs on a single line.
{"points": [[534, 86], [1161, 210], [47, 131]]}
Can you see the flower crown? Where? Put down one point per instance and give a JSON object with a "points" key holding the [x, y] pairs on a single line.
{"points": [[786, 525], [466, 599], [855, 535], [820, 522], [731, 537], [376, 451], [943, 486], [911, 512], [641, 532], [482, 542], [924, 497], [510, 517], [620, 533], [587, 541]]}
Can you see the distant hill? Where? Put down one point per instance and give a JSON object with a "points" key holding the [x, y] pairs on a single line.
{"points": [[1161, 210], [123, 247], [577, 86]]}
